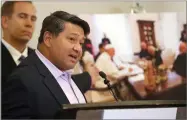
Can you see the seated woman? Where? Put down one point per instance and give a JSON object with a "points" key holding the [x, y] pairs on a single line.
{"points": [[87, 64]]}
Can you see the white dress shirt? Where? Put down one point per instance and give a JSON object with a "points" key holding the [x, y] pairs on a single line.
{"points": [[70, 89], [15, 53], [105, 64]]}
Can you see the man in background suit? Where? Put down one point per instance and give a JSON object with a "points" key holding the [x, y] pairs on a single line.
{"points": [[42, 82], [18, 23], [179, 65], [144, 52]]}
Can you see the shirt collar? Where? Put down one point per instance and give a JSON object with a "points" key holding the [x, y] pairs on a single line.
{"points": [[52, 68], [14, 52], [106, 55]]}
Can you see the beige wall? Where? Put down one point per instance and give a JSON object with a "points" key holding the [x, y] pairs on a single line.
{"points": [[45, 8]]}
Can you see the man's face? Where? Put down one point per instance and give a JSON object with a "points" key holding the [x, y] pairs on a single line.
{"points": [[183, 48], [66, 49], [111, 52], [143, 46], [20, 25], [102, 49]]}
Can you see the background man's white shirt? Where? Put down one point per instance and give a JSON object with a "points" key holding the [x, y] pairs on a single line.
{"points": [[15, 53]]}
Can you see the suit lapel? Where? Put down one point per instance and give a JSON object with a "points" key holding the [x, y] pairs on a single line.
{"points": [[7, 57], [30, 50], [8, 64], [80, 88], [50, 82], [53, 86]]}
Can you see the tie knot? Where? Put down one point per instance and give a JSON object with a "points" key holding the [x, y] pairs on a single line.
{"points": [[21, 58]]}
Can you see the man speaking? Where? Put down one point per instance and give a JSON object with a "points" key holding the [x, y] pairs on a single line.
{"points": [[42, 83]]}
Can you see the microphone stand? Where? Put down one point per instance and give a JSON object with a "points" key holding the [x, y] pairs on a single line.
{"points": [[107, 82]]}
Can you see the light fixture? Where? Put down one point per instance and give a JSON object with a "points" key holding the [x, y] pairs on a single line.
{"points": [[137, 8]]}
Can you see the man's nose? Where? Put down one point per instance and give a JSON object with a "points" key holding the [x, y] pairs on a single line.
{"points": [[77, 47], [29, 23]]}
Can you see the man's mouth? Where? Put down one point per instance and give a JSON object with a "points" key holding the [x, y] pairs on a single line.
{"points": [[27, 33], [74, 57]]}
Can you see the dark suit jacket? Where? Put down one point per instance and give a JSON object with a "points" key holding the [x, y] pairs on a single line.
{"points": [[157, 57], [8, 64], [144, 54], [180, 65], [32, 91]]}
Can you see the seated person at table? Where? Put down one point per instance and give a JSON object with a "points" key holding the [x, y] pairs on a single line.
{"points": [[144, 52], [87, 55], [114, 74], [85, 61], [105, 61], [88, 46], [179, 65], [184, 34], [106, 64], [155, 55]]}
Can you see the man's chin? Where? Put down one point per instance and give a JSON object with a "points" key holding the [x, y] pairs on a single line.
{"points": [[24, 40], [71, 66]]}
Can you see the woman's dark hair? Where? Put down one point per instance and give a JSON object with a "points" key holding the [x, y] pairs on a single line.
{"points": [[87, 46]]}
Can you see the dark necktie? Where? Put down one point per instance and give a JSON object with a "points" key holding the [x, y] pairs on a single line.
{"points": [[21, 58]]}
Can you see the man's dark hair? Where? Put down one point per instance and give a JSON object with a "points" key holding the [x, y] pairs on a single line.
{"points": [[8, 7], [55, 22], [104, 40]]}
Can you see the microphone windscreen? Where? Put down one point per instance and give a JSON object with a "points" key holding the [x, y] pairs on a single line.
{"points": [[102, 74]]}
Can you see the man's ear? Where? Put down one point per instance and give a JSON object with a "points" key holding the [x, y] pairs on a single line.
{"points": [[4, 21], [47, 38]]}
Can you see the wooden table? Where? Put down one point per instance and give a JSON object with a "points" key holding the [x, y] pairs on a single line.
{"points": [[173, 89]]}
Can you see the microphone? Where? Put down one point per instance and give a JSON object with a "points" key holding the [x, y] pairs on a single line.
{"points": [[107, 82]]}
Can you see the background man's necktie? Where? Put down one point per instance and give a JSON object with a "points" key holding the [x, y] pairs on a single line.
{"points": [[21, 58]]}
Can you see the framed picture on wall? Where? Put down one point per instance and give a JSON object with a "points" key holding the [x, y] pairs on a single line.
{"points": [[146, 30]]}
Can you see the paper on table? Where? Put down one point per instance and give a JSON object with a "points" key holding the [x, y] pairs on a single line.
{"points": [[126, 72], [136, 78]]}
